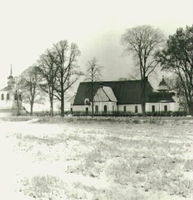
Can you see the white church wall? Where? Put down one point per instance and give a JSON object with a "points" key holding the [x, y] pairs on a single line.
{"points": [[6, 103], [171, 106], [148, 107], [160, 106], [111, 106], [130, 108]]}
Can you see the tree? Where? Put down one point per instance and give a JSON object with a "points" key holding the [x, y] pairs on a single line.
{"points": [[93, 74], [177, 57], [143, 42], [67, 74], [48, 71], [18, 95], [29, 87]]}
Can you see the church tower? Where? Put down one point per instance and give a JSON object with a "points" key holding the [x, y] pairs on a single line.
{"points": [[10, 101]]}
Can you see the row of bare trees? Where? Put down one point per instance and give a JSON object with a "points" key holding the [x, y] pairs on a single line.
{"points": [[54, 73]]}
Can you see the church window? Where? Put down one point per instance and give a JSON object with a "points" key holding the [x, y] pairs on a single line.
{"points": [[105, 108], [165, 108], [136, 109], [153, 108], [2, 96], [8, 97], [87, 110], [125, 109], [86, 101]]}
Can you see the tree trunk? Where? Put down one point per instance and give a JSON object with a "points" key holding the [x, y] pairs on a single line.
{"points": [[190, 108], [51, 108], [62, 108], [62, 102], [18, 106], [143, 96], [92, 96], [143, 109], [31, 109]]}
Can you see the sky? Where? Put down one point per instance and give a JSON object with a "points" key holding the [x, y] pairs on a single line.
{"points": [[29, 27]]}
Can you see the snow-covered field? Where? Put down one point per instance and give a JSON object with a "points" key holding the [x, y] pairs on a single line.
{"points": [[96, 160]]}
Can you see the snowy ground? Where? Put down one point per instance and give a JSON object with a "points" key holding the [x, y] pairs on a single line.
{"points": [[96, 160]]}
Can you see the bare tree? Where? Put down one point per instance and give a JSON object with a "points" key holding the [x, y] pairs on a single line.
{"points": [[143, 42], [18, 95], [67, 74], [93, 74], [48, 71], [29, 81]]}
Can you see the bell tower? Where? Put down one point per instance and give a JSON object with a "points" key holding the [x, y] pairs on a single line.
{"points": [[163, 87]]}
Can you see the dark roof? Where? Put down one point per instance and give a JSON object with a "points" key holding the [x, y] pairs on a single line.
{"points": [[161, 96], [126, 92], [7, 88]]}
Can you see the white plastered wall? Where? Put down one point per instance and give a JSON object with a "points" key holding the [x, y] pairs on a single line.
{"points": [[171, 106], [111, 106], [130, 108], [6, 104]]}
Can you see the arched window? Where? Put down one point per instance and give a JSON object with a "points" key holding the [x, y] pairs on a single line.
{"points": [[105, 108], [136, 109], [86, 101], [165, 108], [8, 96], [125, 109], [96, 109], [2, 96], [153, 108], [86, 110]]}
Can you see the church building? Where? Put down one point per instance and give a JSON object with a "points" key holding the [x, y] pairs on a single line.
{"points": [[123, 96], [10, 99]]}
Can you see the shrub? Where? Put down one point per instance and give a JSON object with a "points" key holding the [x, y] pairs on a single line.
{"points": [[131, 114]]}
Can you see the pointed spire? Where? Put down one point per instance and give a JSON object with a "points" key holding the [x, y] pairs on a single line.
{"points": [[11, 70], [10, 78]]}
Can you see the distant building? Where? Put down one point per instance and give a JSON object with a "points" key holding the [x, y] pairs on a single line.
{"points": [[10, 99], [123, 96]]}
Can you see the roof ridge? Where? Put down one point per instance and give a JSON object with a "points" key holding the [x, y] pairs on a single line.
{"points": [[111, 81]]}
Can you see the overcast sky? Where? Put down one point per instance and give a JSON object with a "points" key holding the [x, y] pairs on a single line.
{"points": [[28, 27]]}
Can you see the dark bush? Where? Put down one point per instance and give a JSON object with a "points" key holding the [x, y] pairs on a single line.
{"points": [[130, 114]]}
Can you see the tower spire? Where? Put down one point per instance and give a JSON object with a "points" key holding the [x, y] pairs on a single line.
{"points": [[11, 70]]}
